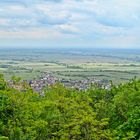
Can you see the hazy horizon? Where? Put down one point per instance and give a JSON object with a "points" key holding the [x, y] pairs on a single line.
{"points": [[68, 47]]}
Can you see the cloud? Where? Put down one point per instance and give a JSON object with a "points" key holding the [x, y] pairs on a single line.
{"points": [[88, 21], [67, 29]]}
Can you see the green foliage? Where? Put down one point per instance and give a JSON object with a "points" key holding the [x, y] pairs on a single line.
{"points": [[15, 79], [4, 138], [68, 114], [2, 82]]}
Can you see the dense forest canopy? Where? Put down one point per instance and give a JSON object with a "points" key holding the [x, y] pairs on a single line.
{"points": [[68, 114]]}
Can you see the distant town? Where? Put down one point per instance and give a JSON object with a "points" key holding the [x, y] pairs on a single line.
{"points": [[47, 79]]}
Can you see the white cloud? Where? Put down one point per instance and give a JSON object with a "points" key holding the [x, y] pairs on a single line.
{"points": [[92, 20]]}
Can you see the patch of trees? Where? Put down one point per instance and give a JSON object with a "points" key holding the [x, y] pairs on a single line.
{"points": [[74, 67], [68, 114], [4, 66]]}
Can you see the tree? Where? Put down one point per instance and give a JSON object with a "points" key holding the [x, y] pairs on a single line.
{"points": [[68, 114]]}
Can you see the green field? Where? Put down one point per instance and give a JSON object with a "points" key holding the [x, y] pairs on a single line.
{"points": [[116, 65]]}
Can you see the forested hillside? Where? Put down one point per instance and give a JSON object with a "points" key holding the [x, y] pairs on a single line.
{"points": [[68, 114]]}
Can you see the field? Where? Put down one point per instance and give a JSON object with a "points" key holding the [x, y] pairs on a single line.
{"points": [[118, 65]]}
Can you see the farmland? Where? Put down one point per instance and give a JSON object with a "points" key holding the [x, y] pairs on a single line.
{"points": [[118, 65]]}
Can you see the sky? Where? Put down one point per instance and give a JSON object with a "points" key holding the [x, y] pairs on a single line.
{"points": [[70, 23]]}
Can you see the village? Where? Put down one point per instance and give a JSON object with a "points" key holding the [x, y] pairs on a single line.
{"points": [[47, 79]]}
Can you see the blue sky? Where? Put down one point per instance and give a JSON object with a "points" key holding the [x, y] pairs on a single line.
{"points": [[70, 23]]}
